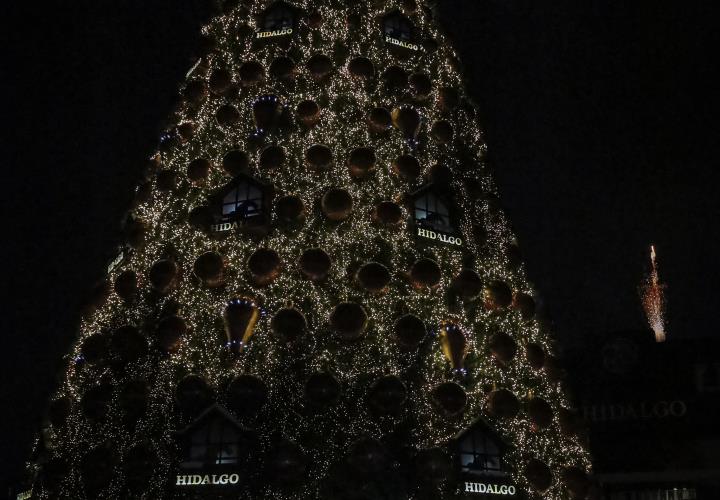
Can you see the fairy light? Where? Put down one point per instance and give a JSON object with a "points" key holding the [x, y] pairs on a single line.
{"points": [[345, 104]]}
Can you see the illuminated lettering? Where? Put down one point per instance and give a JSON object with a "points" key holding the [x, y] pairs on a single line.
{"points": [[271, 34], [492, 489], [445, 238], [214, 480], [224, 227], [400, 43]]}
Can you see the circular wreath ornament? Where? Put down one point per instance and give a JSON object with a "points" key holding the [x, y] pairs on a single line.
{"points": [[235, 162], [240, 318], [349, 320], [322, 389], [272, 157], [290, 210], [163, 276], [497, 295], [362, 162], [379, 120], [264, 266], [288, 325], [170, 333], [408, 121], [450, 398], [283, 68], [315, 264], [318, 158], [535, 355], [524, 304], [541, 413], [503, 348], [407, 167], [186, 131], [251, 73], [308, 113], [209, 268], [266, 112], [409, 331], [220, 81], [337, 204], [442, 132], [373, 277], [503, 404], [247, 394], [388, 214], [361, 68], [387, 395], [126, 285], [538, 475], [425, 273], [319, 66], [198, 170]]}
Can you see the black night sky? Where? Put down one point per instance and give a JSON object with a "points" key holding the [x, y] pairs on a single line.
{"points": [[601, 120]]}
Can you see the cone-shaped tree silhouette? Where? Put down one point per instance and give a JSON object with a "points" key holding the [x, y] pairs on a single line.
{"points": [[319, 296]]}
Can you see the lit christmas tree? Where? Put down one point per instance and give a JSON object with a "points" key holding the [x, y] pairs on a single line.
{"points": [[319, 297]]}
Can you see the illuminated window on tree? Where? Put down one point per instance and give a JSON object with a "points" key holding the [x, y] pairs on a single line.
{"points": [[480, 454], [277, 18], [217, 442], [243, 202], [399, 27], [432, 213]]}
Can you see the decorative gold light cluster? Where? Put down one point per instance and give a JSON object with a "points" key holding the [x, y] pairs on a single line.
{"points": [[345, 103]]}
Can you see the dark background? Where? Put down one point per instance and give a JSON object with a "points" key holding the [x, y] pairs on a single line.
{"points": [[600, 116]]}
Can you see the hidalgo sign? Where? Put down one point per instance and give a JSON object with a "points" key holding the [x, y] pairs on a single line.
{"points": [[445, 238], [272, 34], [643, 410], [207, 480], [400, 43], [490, 489]]}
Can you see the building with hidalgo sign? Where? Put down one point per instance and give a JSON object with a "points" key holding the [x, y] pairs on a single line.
{"points": [[319, 295], [651, 409]]}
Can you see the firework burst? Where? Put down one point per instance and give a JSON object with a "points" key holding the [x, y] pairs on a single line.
{"points": [[652, 294]]}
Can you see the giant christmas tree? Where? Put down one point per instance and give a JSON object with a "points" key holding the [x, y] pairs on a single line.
{"points": [[319, 297]]}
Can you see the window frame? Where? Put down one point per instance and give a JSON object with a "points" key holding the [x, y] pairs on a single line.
{"points": [[409, 36], [479, 435], [246, 201], [283, 11]]}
